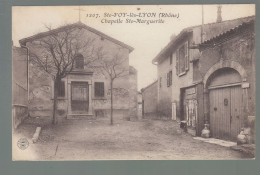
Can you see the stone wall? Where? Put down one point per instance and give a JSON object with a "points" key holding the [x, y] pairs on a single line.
{"points": [[149, 96]]}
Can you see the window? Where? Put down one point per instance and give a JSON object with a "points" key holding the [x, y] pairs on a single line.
{"points": [[169, 78], [171, 59], [99, 89], [79, 61], [61, 89], [160, 83], [182, 59]]}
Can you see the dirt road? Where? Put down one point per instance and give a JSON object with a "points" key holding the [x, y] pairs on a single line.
{"points": [[97, 140]]}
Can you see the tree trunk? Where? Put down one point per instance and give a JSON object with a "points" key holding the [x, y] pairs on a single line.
{"points": [[55, 95], [111, 100]]}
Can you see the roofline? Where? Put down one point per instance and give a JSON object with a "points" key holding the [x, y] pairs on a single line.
{"points": [[148, 86], [171, 43], [210, 42], [79, 25], [188, 29]]}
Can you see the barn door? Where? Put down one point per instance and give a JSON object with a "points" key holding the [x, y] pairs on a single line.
{"points": [[225, 112], [79, 97]]}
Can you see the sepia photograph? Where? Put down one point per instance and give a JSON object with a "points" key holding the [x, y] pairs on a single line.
{"points": [[133, 82]]}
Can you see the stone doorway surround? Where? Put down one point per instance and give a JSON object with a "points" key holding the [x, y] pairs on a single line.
{"points": [[79, 78]]}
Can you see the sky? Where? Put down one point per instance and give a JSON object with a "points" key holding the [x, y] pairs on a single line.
{"points": [[147, 40]]}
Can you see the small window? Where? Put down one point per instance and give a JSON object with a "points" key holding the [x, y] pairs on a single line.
{"points": [[79, 61], [160, 83], [99, 89], [171, 59], [169, 78], [61, 89]]}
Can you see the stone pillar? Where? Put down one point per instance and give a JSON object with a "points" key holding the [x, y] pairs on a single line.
{"points": [[206, 105]]}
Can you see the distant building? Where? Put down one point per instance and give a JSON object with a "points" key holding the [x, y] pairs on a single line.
{"points": [[193, 64], [149, 99]]}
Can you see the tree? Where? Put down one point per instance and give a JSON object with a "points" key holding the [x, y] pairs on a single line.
{"points": [[56, 52], [113, 67]]}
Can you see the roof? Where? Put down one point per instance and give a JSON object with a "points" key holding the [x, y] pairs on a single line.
{"points": [[227, 34], [74, 25], [143, 89], [210, 30]]}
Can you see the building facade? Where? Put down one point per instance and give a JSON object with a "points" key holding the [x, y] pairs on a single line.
{"points": [[229, 81], [183, 67], [85, 91]]}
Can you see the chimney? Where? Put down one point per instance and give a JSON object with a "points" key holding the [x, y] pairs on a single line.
{"points": [[219, 18]]}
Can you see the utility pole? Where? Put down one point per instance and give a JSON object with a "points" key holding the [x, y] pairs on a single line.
{"points": [[202, 23]]}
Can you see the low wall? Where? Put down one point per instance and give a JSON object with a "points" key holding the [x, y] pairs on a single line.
{"points": [[19, 114]]}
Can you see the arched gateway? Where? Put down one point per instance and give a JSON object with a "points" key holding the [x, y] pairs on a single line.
{"points": [[225, 99]]}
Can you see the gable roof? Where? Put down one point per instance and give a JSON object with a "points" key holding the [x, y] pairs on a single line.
{"points": [[75, 25], [210, 30]]}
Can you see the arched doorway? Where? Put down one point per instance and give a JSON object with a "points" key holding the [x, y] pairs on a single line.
{"points": [[225, 103]]}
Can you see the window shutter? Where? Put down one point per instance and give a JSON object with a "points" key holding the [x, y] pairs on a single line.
{"points": [[99, 89], [167, 79], [177, 62], [61, 89], [186, 48], [170, 78]]}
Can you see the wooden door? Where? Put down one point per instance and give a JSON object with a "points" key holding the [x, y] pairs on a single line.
{"points": [[79, 97], [220, 113], [226, 112]]}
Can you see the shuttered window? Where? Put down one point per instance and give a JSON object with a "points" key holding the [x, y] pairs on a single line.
{"points": [[61, 89], [99, 89], [182, 59], [169, 78]]}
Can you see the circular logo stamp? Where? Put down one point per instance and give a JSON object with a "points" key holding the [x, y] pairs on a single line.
{"points": [[23, 143]]}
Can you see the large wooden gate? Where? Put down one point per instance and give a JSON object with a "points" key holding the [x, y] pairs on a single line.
{"points": [[79, 97], [226, 116]]}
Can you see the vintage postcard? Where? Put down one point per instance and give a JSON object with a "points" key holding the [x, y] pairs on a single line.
{"points": [[133, 82]]}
